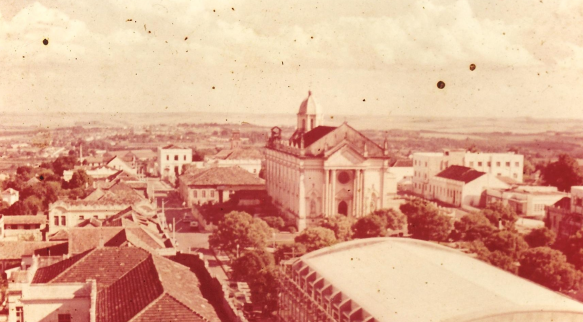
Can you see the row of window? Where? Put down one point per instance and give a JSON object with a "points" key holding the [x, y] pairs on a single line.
{"points": [[33, 226], [175, 157], [203, 193], [498, 164], [63, 220]]}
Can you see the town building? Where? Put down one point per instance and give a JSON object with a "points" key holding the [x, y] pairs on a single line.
{"points": [[323, 170], [100, 204], [27, 227], [427, 164], [171, 158], [217, 184], [403, 171], [248, 158], [462, 186], [565, 217], [107, 284], [10, 196], [15, 255], [527, 201], [396, 279]]}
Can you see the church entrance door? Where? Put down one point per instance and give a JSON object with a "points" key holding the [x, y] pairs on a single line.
{"points": [[343, 208]]}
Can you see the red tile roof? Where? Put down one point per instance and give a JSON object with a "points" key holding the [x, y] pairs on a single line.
{"points": [[167, 308], [219, 176], [240, 154], [48, 273], [59, 235], [24, 220], [403, 163], [17, 249], [459, 173]]}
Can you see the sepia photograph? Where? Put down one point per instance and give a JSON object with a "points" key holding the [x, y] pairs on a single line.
{"points": [[291, 161]]}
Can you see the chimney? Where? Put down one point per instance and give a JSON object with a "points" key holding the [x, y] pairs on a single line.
{"points": [[93, 299]]}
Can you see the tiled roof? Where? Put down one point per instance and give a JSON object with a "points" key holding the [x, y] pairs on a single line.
{"points": [[167, 308], [24, 220], [172, 146], [53, 250], [403, 163], [459, 173], [17, 249], [240, 154], [48, 273], [315, 134], [130, 294], [216, 176], [90, 222], [134, 285], [507, 180], [59, 235], [83, 239], [9, 191], [118, 194]]}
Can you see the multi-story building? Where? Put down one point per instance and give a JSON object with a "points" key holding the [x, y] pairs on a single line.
{"points": [[171, 158], [527, 201], [427, 164], [323, 170], [27, 227], [396, 279], [565, 217]]}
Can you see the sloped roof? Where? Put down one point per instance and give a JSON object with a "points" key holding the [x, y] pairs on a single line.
{"points": [[217, 176], [460, 173], [17, 249], [133, 284], [25, 220], [403, 163], [239, 154], [62, 234], [10, 191], [85, 238], [172, 146], [94, 222], [316, 133]]}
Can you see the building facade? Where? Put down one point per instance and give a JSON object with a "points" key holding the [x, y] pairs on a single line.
{"points": [[171, 158], [427, 164], [10, 196], [527, 201], [323, 171], [565, 217]]}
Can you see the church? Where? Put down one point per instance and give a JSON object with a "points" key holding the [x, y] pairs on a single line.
{"points": [[323, 171]]}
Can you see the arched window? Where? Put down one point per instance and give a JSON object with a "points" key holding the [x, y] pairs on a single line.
{"points": [[343, 208], [312, 207]]}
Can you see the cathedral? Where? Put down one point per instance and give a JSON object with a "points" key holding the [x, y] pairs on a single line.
{"points": [[323, 171]]}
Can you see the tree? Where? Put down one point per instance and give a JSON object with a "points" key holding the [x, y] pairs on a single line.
{"points": [[500, 214], [316, 238], [563, 174], [25, 172], [395, 220], [370, 226], [573, 249], [340, 225], [474, 226], [549, 268], [509, 243], [239, 229], [540, 237], [251, 262], [496, 258], [274, 222], [63, 163], [287, 251], [425, 221], [80, 179]]}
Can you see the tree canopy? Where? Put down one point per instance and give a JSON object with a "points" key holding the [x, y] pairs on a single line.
{"points": [[474, 226], [507, 242], [340, 225], [425, 221], [395, 220], [315, 238], [239, 228], [549, 268], [369, 226], [563, 173], [498, 213], [540, 237]]}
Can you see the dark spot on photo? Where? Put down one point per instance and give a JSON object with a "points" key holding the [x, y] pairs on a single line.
{"points": [[472, 67], [440, 84], [45, 41]]}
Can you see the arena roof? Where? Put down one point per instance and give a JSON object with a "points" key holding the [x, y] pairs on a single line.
{"points": [[397, 279]]}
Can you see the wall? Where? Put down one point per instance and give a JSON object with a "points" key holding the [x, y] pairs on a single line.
{"points": [[167, 162]]}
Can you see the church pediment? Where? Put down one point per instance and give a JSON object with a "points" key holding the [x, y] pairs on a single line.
{"points": [[344, 194], [344, 156]]}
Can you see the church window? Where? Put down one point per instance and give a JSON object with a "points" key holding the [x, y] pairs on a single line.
{"points": [[303, 124], [312, 207], [343, 177], [311, 124]]}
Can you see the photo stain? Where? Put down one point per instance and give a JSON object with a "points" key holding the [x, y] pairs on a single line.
{"points": [[440, 84], [45, 41], [41, 178], [185, 38], [472, 67], [129, 20]]}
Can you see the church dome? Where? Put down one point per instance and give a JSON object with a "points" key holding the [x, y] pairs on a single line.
{"points": [[310, 106]]}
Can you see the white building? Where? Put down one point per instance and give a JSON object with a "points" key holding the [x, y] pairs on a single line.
{"points": [[248, 158], [529, 201], [322, 170], [461, 186], [10, 196], [428, 164], [171, 158]]}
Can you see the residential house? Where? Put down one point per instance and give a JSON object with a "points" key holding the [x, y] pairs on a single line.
{"points": [[171, 158], [459, 186], [14, 254], [527, 201], [217, 185], [28, 227], [247, 158], [565, 217]]}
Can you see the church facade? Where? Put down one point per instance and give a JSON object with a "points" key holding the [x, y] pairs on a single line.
{"points": [[323, 171]]}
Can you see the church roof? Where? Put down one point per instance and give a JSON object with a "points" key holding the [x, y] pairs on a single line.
{"points": [[309, 106], [316, 134]]}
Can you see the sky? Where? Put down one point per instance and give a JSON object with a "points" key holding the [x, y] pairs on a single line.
{"points": [[372, 57]]}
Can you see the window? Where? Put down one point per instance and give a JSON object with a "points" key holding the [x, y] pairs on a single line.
{"points": [[471, 163], [194, 194], [343, 177], [26, 226], [254, 170], [489, 164], [19, 314], [479, 164], [184, 158], [497, 164], [63, 221], [204, 193], [167, 157], [212, 193], [176, 157], [425, 164], [311, 124], [499, 174], [81, 217], [56, 220], [517, 164], [64, 318], [508, 164], [515, 176]]}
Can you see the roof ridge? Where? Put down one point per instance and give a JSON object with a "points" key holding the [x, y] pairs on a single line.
{"points": [[149, 306]]}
